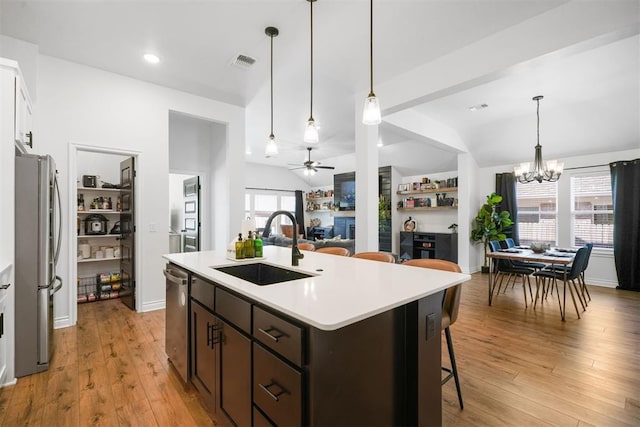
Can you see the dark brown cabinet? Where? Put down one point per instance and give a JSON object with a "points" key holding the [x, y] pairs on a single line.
{"points": [[253, 365], [235, 377], [277, 388], [204, 327]]}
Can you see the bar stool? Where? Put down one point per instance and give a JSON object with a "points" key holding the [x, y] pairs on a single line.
{"points": [[376, 256], [334, 250], [449, 313], [306, 247]]}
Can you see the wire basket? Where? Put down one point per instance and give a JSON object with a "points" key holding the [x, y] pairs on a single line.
{"points": [[87, 289]]}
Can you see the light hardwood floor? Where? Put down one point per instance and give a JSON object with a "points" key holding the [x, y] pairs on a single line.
{"points": [[518, 367]]}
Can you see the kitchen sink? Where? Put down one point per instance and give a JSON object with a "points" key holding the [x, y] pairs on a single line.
{"points": [[262, 274]]}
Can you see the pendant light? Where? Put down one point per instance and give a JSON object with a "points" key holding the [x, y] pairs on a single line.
{"points": [[371, 112], [550, 172], [272, 148], [311, 131]]}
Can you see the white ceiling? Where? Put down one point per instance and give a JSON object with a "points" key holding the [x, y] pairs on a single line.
{"points": [[591, 103]]}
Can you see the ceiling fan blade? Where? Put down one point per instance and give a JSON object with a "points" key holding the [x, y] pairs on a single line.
{"points": [[325, 167], [293, 169]]}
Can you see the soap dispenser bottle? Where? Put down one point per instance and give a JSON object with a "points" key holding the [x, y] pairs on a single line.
{"points": [[257, 244], [249, 251], [239, 247]]}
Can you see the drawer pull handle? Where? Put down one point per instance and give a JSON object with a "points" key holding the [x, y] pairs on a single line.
{"points": [[276, 396], [268, 333]]}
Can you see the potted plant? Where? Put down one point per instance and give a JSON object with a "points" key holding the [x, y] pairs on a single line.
{"points": [[489, 225], [384, 213]]}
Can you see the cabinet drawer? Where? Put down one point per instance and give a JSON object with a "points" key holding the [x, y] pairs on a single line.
{"points": [[278, 334], [277, 388], [259, 420], [234, 309], [202, 291]]}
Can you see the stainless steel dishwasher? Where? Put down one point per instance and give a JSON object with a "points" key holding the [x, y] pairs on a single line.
{"points": [[177, 318]]}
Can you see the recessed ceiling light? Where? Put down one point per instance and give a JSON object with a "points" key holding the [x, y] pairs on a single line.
{"points": [[151, 58], [478, 107]]}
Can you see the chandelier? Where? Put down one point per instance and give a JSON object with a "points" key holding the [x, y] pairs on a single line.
{"points": [[551, 171]]}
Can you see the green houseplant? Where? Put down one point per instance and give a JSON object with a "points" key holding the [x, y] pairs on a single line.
{"points": [[489, 225]]}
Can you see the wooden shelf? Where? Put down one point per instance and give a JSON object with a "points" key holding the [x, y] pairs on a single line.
{"points": [[319, 210], [312, 199], [436, 208], [98, 189], [98, 236], [98, 259], [429, 191], [107, 211]]}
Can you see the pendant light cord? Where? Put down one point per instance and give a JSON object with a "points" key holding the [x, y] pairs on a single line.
{"points": [[538, 115], [271, 86], [311, 103], [371, 47]]}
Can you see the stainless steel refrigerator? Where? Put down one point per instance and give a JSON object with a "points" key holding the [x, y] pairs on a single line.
{"points": [[38, 233]]}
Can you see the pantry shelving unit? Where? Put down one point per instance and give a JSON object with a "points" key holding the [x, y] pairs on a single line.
{"points": [[98, 277]]}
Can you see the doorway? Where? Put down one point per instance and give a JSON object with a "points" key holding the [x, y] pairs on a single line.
{"points": [[184, 207], [97, 204]]}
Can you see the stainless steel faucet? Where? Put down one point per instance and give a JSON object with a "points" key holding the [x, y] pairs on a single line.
{"points": [[295, 252]]}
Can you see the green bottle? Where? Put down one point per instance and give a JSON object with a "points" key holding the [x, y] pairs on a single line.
{"points": [[257, 244], [239, 247], [249, 251]]}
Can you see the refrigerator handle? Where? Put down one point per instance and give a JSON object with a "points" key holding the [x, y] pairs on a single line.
{"points": [[57, 191], [57, 288]]}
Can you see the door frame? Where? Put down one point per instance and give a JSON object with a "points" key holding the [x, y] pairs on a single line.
{"points": [[72, 207]]}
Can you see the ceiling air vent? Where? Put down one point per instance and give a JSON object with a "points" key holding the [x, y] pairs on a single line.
{"points": [[243, 61]]}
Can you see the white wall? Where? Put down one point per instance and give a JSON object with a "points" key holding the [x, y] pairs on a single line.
{"points": [[85, 106], [601, 269], [264, 176], [105, 166]]}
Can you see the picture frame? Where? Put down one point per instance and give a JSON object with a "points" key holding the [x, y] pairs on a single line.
{"points": [[190, 207], [402, 187], [190, 224]]}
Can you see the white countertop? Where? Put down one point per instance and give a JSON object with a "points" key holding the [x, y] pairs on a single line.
{"points": [[345, 291]]}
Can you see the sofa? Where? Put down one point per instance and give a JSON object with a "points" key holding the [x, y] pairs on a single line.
{"points": [[287, 241]]}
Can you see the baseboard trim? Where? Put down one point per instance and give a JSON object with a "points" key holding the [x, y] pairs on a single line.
{"points": [[604, 283], [61, 322], [153, 305]]}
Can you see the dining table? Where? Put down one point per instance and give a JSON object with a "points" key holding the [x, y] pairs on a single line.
{"points": [[562, 257]]}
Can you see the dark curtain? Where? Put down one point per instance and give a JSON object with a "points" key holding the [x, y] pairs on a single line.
{"points": [[300, 213], [625, 188], [506, 187]]}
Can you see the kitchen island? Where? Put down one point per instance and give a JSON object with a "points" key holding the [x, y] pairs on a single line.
{"points": [[355, 343]]}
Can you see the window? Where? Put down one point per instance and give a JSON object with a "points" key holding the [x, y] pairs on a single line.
{"points": [[537, 212], [259, 205], [592, 210]]}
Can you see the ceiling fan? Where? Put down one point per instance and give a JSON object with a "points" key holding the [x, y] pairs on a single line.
{"points": [[311, 167]]}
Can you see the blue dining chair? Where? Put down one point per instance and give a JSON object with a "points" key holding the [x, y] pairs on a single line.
{"points": [[581, 280], [572, 274], [504, 267], [509, 243]]}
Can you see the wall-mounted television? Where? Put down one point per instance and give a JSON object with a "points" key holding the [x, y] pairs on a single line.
{"points": [[344, 187]]}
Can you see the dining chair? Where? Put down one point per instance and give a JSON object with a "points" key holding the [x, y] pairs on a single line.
{"points": [[510, 243], [376, 256], [586, 297], [450, 308], [334, 250], [571, 275], [506, 268]]}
